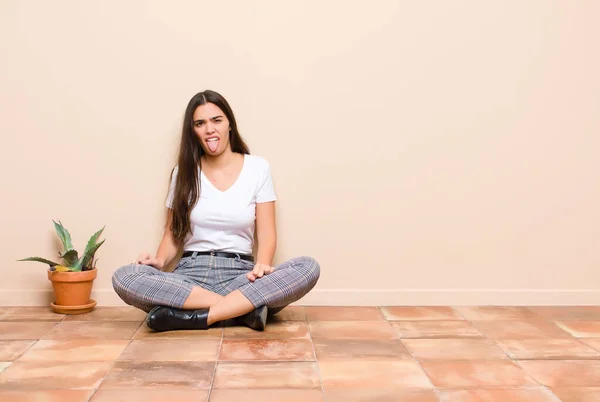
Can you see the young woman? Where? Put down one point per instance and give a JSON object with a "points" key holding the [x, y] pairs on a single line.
{"points": [[219, 197]]}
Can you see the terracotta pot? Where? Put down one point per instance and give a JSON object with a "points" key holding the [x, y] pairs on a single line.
{"points": [[72, 291]]}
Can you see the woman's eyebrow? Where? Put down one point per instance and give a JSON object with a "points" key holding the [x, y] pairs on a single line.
{"points": [[212, 118]]}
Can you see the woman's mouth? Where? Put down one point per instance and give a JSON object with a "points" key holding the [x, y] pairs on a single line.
{"points": [[212, 143]]}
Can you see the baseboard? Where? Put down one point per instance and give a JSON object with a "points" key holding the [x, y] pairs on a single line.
{"points": [[369, 297], [43, 297], [451, 297]]}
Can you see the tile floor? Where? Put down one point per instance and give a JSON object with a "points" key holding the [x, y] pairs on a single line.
{"points": [[306, 354]]}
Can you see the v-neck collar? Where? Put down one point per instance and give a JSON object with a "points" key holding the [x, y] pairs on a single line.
{"points": [[232, 185]]}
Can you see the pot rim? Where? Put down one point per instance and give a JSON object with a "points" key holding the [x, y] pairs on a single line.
{"points": [[80, 276]]}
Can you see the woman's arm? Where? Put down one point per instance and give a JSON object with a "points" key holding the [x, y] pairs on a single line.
{"points": [[266, 232], [168, 247]]}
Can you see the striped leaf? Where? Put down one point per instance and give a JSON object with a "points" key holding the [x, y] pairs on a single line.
{"points": [[65, 236], [39, 259]]}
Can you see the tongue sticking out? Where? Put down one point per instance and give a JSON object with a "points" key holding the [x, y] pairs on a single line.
{"points": [[212, 145]]}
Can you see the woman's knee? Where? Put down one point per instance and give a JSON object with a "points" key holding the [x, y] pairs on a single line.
{"points": [[311, 268], [123, 275]]}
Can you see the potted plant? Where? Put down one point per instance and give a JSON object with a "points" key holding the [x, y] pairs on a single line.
{"points": [[72, 281]]}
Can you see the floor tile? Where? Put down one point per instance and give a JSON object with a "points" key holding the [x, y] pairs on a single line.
{"points": [[380, 395], [148, 350], [477, 374], [496, 313], [266, 375], [63, 395], [21, 330], [343, 314], [592, 342], [364, 354], [110, 314], [498, 395], [522, 329], [267, 349], [53, 375], [373, 374], [436, 329], [581, 329], [581, 394], [127, 374], [547, 349], [370, 349], [68, 330], [467, 349], [29, 313], [290, 313], [421, 313], [11, 350], [277, 330], [352, 330], [564, 373], [252, 395], [568, 312], [150, 395], [75, 350], [144, 332]]}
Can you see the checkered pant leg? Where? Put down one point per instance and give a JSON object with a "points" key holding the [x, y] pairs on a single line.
{"points": [[144, 287], [289, 282]]}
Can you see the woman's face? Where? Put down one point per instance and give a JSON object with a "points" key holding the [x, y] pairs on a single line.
{"points": [[212, 128]]}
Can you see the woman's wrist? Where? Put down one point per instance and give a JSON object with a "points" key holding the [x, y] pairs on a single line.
{"points": [[161, 262]]}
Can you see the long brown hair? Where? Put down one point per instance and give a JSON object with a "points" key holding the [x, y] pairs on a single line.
{"points": [[187, 188]]}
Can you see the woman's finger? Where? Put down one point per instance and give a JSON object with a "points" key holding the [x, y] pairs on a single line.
{"points": [[258, 270]]}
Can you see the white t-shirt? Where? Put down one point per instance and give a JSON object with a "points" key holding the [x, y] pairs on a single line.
{"points": [[225, 220]]}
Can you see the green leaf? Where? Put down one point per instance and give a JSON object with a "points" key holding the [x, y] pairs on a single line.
{"points": [[65, 236], [71, 258], [92, 241], [91, 245], [89, 254], [39, 259]]}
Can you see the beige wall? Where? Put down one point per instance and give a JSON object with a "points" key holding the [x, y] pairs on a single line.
{"points": [[428, 152]]}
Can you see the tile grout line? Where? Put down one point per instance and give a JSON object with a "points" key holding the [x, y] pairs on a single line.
{"points": [[551, 321], [33, 341], [580, 339], [496, 342], [514, 360], [116, 359], [540, 384], [434, 387], [572, 336], [594, 348], [312, 343], [212, 380]]}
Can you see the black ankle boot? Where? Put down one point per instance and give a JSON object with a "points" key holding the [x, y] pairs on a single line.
{"points": [[256, 319], [162, 318]]}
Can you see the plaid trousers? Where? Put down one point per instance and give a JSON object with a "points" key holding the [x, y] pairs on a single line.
{"points": [[144, 286]]}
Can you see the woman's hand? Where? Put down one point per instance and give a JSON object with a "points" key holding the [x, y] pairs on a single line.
{"points": [[148, 259], [258, 271]]}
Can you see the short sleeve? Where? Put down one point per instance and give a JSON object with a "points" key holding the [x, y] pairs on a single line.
{"points": [[266, 191], [170, 194]]}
